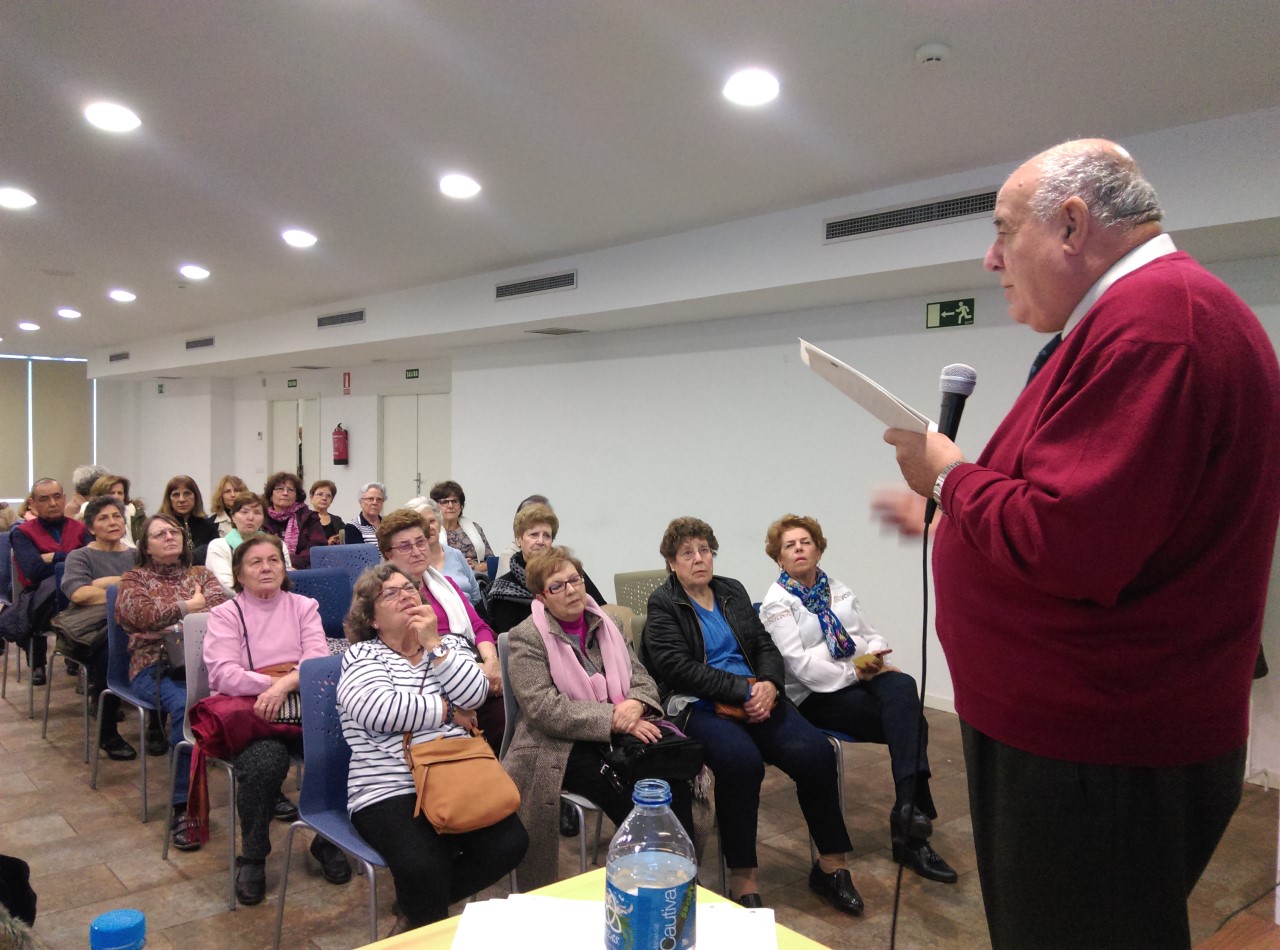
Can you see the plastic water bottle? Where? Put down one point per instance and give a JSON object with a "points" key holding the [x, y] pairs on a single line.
{"points": [[650, 899]]}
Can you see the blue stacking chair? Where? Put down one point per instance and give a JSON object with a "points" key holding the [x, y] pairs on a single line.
{"points": [[322, 805], [118, 685], [491, 565], [331, 588], [352, 558]]}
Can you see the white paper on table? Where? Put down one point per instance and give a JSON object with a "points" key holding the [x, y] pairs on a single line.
{"points": [[865, 391], [576, 924]]}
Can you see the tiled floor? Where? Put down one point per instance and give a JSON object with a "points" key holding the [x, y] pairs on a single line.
{"points": [[90, 853]]}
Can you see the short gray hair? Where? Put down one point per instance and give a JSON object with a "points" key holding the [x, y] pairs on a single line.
{"points": [[84, 476], [378, 485], [421, 504], [1104, 176]]}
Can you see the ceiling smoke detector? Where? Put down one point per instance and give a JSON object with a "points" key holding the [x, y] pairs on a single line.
{"points": [[931, 54]]}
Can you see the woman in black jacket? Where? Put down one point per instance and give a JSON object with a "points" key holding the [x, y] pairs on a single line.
{"points": [[720, 672]]}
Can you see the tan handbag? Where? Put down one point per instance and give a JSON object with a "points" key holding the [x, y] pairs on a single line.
{"points": [[461, 784]]}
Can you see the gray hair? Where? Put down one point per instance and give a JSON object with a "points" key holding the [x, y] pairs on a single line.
{"points": [[378, 485], [84, 476], [94, 507], [421, 504], [1104, 176]]}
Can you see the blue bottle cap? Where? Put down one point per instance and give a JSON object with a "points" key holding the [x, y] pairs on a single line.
{"points": [[118, 930], [651, 791]]}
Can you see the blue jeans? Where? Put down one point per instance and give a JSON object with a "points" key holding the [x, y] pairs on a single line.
{"points": [[173, 700], [737, 753]]}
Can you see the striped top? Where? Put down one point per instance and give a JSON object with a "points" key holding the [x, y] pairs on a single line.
{"points": [[382, 695]]}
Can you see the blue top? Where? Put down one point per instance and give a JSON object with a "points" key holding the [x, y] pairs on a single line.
{"points": [[456, 567], [722, 647]]}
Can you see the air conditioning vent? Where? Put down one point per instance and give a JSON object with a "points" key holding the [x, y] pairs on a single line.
{"points": [[555, 331], [118, 357], [200, 343], [911, 216], [537, 285], [308, 367], [340, 319]]}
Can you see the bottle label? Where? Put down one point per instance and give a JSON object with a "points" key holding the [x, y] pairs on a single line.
{"points": [[651, 918]]}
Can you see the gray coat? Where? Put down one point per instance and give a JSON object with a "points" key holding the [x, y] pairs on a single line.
{"points": [[549, 724]]}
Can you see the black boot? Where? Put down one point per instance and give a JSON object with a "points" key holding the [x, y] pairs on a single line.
{"points": [[251, 881], [911, 846]]}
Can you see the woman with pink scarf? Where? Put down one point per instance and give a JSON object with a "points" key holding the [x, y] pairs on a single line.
{"points": [[290, 520], [578, 684]]}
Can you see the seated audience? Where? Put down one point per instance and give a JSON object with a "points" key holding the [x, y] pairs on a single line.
{"points": [[253, 647], [154, 597], [510, 599], [445, 559], [82, 480], [247, 511], [228, 487], [38, 545], [721, 675], [289, 518], [118, 487], [578, 685], [401, 676], [89, 571], [321, 495], [463, 533], [838, 679], [504, 559], [183, 503], [363, 529], [403, 541]]}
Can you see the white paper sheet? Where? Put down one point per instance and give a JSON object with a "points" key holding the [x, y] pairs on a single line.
{"points": [[865, 391]]}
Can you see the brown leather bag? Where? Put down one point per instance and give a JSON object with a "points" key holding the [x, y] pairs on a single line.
{"points": [[461, 784], [734, 711]]}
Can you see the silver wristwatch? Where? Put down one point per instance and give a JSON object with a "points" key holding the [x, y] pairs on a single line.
{"points": [[937, 485]]}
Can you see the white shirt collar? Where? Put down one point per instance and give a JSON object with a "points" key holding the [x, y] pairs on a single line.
{"points": [[1140, 256]]}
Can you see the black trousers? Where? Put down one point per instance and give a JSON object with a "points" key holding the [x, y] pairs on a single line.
{"points": [[582, 776], [1079, 857], [432, 871], [260, 773]]}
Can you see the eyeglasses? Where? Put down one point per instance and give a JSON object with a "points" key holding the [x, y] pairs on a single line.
{"points": [[166, 533], [448, 502], [373, 499], [390, 595], [404, 547], [692, 553], [556, 586]]}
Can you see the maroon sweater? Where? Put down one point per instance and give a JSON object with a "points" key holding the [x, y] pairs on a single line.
{"points": [[1102, 573]]}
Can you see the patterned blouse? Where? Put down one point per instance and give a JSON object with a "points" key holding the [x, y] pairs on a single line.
{"points": [[152, 600]]}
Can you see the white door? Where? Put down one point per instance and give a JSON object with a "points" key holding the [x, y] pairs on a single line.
{"points": [[415, 444], [312, 440], [295, 438]]}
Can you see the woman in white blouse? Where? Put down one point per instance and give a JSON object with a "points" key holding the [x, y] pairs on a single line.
{"points": [[838, 679], [401, 676]]}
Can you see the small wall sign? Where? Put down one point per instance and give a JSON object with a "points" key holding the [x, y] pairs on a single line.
{"points": [[949, 313]]}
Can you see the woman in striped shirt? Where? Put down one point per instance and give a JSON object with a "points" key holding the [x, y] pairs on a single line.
{"points": [[400, 676]]}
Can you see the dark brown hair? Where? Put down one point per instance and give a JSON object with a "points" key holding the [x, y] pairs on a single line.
{"points": [[402, 519], [142, 558], [358, 624], [685, 529], [448, 489], [182, 481], [545, 563], [279, 477], [242, 551]]}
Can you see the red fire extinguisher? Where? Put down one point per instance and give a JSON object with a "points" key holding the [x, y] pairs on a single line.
{"points": [[339, 445]]}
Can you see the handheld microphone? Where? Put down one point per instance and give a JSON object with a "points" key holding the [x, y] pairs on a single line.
{"points": [[956, 383]]}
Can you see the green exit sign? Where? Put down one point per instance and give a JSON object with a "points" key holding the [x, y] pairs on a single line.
{"points": [[949, 313], [411, 374], [293, 384]]}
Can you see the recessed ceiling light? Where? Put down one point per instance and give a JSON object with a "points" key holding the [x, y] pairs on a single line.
{"points": [[459, 186], [751, 87], [111, 117], [69, 313], [298, 238], [193, 271], [28, 326], [15, 198], [123, 296]]}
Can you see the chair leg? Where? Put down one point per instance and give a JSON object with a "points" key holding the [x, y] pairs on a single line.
{"points": [[582, 838], [284, 881], [84, 705], [234, 822], [102, 698], [4, 677], [595, 854], [173, 781], [48, 691], [370, 871], [142, 748]]}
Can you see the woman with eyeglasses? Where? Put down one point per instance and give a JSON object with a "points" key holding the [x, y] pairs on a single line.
{"points": [[152, 600], [578, 685], [721, 675], [403, 540], [444, 558], [363, 528], [289, 519], [463, 533], [401, 675], [321, 495]]}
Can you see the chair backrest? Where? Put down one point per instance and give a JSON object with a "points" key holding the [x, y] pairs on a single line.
{"points": [[330, 587], [117, 648], [325, 753], [634, 587], [510, 705], [194, 627], [624, 619], [352, 558], [7, 573], [491, 564]]}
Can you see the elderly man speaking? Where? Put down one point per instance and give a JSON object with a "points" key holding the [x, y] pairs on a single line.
{"points": [[1102, 567]]}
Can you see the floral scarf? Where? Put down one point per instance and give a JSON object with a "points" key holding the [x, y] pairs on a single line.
{"points": [[817, 600], [286, 515]]}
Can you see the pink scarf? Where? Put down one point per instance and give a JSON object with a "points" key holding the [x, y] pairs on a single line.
{"points": [[567, 673], [286, 515]]}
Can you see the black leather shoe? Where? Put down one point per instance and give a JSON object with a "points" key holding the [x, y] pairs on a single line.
{"points": [[283, 809], [918, 827], [157, 743], [920, 857], [37, 676], [838, 888], [751, 900], [117, 749], [333, 863], [180, 838], [251, 881], [568, 821]]}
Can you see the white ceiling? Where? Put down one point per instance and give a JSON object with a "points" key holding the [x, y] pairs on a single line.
{"points": [[590, 123]]}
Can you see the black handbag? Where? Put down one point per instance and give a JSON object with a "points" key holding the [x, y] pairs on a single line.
{"points": [[673, 758]]}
